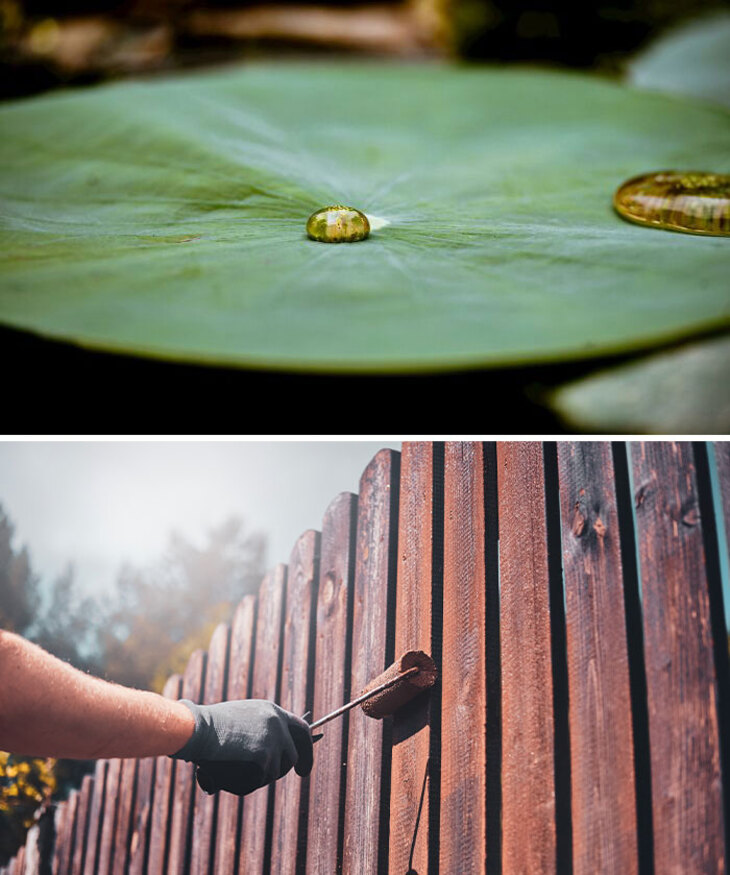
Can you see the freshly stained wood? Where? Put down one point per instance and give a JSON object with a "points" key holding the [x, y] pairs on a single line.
{"points": [[111, 800], [123, 829], [205, 805], [264, 685], [680, 672], [162, 796], [182, 806], [82, 824], [239, 660], [463, 841], [528, 781], [141, 816], [602, 762], [331, 683], [368, 763], [291, 797], [96, 814], [409, 804]]}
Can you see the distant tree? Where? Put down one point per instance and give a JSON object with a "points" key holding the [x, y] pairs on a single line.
{"points": [[68, 625], [19, 595], [164, 611]]}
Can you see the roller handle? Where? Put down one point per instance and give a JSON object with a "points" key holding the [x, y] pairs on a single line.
{"points": [[364, 697]]}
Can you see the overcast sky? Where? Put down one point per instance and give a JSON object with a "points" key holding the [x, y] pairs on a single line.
{"points": [[99, 504]]}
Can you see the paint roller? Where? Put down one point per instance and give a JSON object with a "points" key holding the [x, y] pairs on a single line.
{"points": [[409, 675]]}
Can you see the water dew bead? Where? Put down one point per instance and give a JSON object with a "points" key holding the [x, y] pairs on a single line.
{"points": [[338, 224], [697, 203]]}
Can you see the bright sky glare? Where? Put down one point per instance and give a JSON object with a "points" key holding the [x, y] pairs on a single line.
{"points": [[99, 504]]}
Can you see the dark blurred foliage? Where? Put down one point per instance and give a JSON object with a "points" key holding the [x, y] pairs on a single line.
{"points": [[45, 43]]}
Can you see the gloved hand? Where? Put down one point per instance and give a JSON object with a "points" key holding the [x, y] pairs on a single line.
{"points": [[243, 745]]}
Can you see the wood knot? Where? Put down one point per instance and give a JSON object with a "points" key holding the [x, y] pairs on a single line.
{"points": [[599, 528], [579, 521], [691, 517]]}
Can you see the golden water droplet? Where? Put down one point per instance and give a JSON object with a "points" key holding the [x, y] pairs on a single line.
{"points": [[694, 202], [338, 224]]}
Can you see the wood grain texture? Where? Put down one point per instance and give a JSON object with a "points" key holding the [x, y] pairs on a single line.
{"points": [[528, 770], [111, 800], [239, 663], [264, 685], [65, 840], [162, 797], [288, 852], [96, 816], [409, 834], [331, 682], [82, 824], [72, 833], [125, 806], [205, 806], [182, 795], [603, 800], [368, 762], [680, 672], [142, 816], [463, 842]]}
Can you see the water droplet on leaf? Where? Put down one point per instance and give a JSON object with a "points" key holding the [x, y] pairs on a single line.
{"points": [[694, 202], [338, 224]]}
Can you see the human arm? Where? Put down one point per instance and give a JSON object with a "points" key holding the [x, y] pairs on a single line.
{"points": [[49, 708]]}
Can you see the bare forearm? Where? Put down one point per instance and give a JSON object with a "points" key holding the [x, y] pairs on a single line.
{"points": [[48, 708]]}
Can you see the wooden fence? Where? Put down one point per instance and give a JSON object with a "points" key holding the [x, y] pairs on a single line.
{"points": [[571, 595]]}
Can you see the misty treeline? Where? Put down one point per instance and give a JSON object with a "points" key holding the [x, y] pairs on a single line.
{"points": [[144, 629]]}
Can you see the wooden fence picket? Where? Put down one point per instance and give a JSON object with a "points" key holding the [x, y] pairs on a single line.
{"points": [[413, 770], [331, 683], [225, 836], [602, 748], [162, 795], [265, 681], [205, 806], [367, 796], [687, 802], [184, 784], [528, 766], [289, 839]]}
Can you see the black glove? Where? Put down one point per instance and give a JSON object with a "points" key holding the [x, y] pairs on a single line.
{"points": [[243, 745]]}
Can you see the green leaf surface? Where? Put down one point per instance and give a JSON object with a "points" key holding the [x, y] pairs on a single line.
{"points": [[684, 391], [168, 218], [692, 59]]}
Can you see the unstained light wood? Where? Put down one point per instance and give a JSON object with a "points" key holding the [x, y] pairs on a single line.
{"points": [[680, 672], [331, 683], [528, 779], [463, 839], [368, 763], [603, 805]]}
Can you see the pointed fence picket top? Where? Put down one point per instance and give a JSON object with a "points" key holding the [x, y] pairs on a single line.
{"points": [[571, 595]]}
